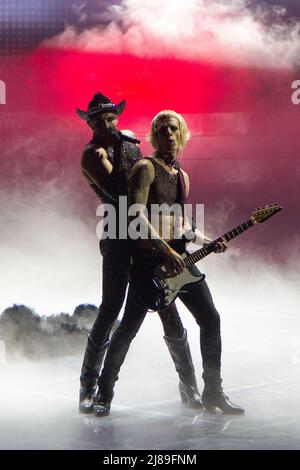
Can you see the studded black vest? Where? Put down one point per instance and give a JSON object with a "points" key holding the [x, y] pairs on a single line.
{"points": [[166, 188], [122, 155]]}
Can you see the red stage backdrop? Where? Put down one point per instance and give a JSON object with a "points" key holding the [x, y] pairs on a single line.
{"points": [[228, 67]]}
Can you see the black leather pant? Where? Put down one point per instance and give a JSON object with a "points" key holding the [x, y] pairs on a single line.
{"points": [[116, 264], [115, 276], [199, 302]]}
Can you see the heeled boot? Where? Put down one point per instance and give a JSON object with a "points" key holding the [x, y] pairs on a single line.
{"points": [[109, 374], [181, 355], [102, 402], [91, 366], [214, 397]]}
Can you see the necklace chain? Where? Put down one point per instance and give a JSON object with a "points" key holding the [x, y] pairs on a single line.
{"points": [[171, 164]]}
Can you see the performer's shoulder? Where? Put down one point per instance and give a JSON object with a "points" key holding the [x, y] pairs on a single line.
{"points": [[145, 162], [128, 132], [144, 169], [89, 148], [131, 149], [88, 154]]}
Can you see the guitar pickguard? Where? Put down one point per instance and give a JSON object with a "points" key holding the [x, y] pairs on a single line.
{"points": [[173, 286]]}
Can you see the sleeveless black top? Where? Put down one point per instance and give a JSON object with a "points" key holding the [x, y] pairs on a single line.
{"points": [[122, 155], [166, 188]]}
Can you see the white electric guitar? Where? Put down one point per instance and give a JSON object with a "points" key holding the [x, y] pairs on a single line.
{"points": [[156, 290]]}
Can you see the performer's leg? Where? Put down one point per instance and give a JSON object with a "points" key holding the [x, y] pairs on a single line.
{"points": [[115, 276], [199, 301], [120, 342], [116, 262], [176, 340], [91, 366]]}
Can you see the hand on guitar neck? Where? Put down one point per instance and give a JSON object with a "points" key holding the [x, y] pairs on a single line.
{"points": [[174, 262], [220, 245]]}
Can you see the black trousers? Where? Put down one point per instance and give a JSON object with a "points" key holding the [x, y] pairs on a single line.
{"points": [[115, 277], [199, 302]]}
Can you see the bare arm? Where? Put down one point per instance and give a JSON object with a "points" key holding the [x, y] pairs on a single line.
{"points": [[96, 166], [142, 177]]}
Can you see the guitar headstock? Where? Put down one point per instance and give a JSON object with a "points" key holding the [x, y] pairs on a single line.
{"points": [[264, 213]]}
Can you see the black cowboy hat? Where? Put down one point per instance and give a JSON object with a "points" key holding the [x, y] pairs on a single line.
{"points": [[101, 104]]}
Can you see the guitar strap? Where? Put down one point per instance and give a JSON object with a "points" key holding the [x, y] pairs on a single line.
{"points": [[184, 198], [183, 186]]}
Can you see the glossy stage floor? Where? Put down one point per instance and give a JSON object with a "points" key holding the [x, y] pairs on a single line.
{"points": [[261, 372]]}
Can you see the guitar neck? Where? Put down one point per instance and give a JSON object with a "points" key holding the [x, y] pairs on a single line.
{"points": [[209, 248]]}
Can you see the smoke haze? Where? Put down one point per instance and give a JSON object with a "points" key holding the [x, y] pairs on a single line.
{"points": [[237, 32]]}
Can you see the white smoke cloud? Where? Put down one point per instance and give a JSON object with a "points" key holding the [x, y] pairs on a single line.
{"points": [[198, 30], [260, 370], [49, 257]]}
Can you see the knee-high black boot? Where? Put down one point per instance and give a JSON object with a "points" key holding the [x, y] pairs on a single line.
{"points": [[181, 355], [213, 395], [103, 398], [109, 375], [91, 366]]}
